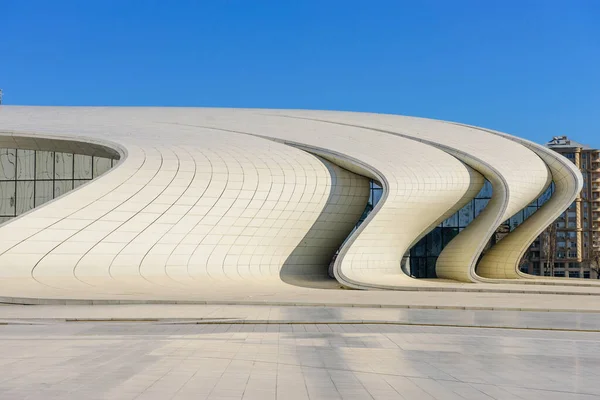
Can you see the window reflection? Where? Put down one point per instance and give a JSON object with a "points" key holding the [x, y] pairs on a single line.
{"points": [[430, 248], [25, 164], [7, 164], [30, 178]]}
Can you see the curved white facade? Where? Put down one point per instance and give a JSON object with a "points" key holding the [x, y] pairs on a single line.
{"points": [[220, 197]]}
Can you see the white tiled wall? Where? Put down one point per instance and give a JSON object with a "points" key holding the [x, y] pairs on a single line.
{"points": [[228, 208], [207, 196]]}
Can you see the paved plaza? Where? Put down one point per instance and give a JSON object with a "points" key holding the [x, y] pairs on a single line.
{"points": [[274, 352]]}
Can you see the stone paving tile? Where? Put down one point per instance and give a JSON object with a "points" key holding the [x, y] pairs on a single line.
{"points": [[311, 318], [112, 360]]}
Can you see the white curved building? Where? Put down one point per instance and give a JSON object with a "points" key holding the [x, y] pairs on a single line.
{"points": [[130, 200]]}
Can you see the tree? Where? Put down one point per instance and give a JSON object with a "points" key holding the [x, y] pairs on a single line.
{"points": [[595, 262], [548, 247], [525, 265]]}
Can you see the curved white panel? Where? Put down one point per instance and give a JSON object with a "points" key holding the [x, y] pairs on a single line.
{"points": [[492, 155], [568, 182], [426, 179], [206, 197], [238, 207]]}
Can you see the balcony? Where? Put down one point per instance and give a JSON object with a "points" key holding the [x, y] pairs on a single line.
{"points": [[596, 216]]}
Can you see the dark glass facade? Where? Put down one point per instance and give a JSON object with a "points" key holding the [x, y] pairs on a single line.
{"points": [[424, 254], [30, 178], [375, 193]]}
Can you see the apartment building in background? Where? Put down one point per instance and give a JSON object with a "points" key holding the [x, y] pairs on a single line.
{"points": [[566, 248]]}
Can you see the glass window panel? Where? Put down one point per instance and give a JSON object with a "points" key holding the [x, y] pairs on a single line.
{"points": [[25, 200], [7, 198], [62, 187], [452, 221], [63, 166], [465, 215], [418, 267], [83, 167], [516, 220], [434, 243], [7, 164], [5, 219], [480, 205], [529, 211], [486, 190], [44, 165], [101, 165], [43, 192], [77, 183], [431, 267], [25, 164], [377, 195], [448, 234], [419, 249], [545, 196]]}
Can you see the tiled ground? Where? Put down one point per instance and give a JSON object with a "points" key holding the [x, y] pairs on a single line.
{"points": [[169, 313], [159, 360]]}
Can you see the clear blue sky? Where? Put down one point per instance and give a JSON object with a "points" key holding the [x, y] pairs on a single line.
{"points": [[527, 67]]}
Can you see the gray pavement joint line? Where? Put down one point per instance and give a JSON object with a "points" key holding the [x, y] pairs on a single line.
{"points": [[283, 322], [528, 328], [49, 300], [283, 304], [61, 302], [71, 302]]}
